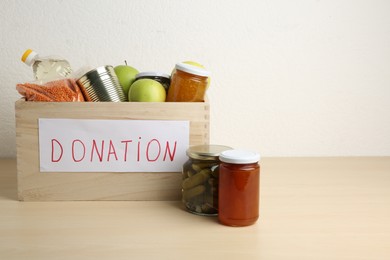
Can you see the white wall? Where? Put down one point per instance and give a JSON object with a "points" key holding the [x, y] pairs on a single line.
{"points": [[290, 78]]}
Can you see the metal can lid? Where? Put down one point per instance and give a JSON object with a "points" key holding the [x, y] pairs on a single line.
{"points": [[239, 157], [206, 152]]}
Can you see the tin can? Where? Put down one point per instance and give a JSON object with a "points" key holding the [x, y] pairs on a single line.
{"points": [[102, 84]]}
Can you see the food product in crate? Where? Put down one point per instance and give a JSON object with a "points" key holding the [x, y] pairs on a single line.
{"points": [[64, 90], [102, 85], [161, 77], [46, 69], [188, 83], [126, 75], [196, 64], [147, 90]]}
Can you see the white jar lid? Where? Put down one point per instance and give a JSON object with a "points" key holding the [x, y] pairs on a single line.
{"points": [[192, 69], [239, 157]]}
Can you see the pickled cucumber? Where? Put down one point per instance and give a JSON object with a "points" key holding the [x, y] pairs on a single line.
{"points": [[199, 166], [191, 193], [195, 180]]}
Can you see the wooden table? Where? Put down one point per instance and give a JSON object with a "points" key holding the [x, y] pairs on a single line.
{"points": [[311, 208]]}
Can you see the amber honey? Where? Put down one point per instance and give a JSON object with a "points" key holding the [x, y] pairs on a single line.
{"points": [[188, 84]]}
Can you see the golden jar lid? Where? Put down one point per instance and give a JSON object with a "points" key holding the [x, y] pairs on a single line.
{"points": [[206, 152]]}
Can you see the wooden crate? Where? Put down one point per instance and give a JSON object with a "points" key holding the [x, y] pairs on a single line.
{"points": [[34, 185]]}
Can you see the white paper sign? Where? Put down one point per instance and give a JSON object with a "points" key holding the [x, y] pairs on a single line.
{"points": [[86, 145]]}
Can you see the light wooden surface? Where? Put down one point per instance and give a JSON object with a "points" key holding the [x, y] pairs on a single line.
{"points": [[34, 186], [311, 208]]}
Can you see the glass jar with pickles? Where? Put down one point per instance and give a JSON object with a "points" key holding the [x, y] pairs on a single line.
{"points": [[200, 179]]}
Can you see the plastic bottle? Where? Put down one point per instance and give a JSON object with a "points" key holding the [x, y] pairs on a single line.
{"points": [[46, 68]]}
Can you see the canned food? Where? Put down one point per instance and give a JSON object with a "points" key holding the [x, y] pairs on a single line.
{"points": [[102, 84]]}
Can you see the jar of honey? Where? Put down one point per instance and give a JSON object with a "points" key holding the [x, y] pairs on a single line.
{"points": [[188, 84], [239, 188]]}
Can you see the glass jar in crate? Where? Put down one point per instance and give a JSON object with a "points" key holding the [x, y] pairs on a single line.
{"points": [[200, 179], [188, 84]]}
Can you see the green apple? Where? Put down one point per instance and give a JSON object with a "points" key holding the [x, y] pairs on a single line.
{"points": [[126, 75], [147, 90], [194, 63]]}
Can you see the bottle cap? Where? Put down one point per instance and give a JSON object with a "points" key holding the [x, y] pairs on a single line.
{"points": [[239, 157], [192, 69], [29, 56]]}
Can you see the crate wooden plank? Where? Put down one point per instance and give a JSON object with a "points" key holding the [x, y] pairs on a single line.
{"points": [[34, 185]]}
